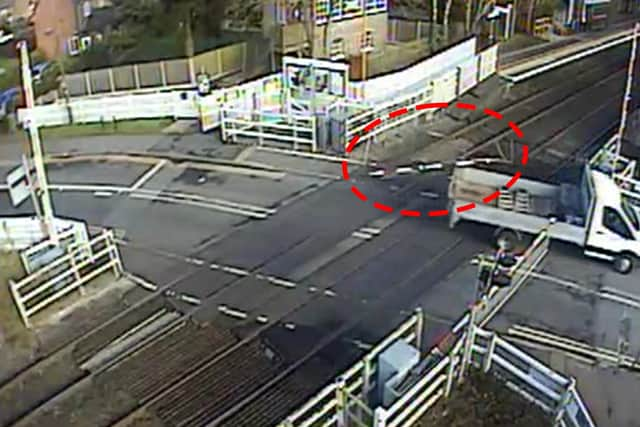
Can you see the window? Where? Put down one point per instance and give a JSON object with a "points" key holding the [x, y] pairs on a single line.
{"points": [[375, 6], [366, 41], [336, 50], [613, 222], [85, 43], [73, 45]]}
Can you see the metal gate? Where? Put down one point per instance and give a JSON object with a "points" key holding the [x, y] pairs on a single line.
{"points": [[266, 128]]}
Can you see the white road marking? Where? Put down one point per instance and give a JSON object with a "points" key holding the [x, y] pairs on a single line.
{"points": [[281, 282], [370, 230], [189, 299], [363, 236], [148, 175], [231, 312], [236, 271], [141, 282]]}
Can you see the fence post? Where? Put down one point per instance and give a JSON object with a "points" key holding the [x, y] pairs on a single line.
{"points": [[74, 267], [341, 403], [419, 30], [163, 73], [419, 327], [223, 128], [219, 61], [192, 71], [114, 253], [380, 417], [21, 309], [136, 76], [112, 81], [468, 345], [453, 360], [314, 134], [488, 356], [564, 400], [366, 378], [87, 82]]}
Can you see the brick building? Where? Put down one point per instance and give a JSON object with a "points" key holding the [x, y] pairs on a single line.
{"points": [[328, 29], [68, 26]]}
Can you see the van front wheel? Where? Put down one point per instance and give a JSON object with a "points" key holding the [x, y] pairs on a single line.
{"points": [[623, 263]]}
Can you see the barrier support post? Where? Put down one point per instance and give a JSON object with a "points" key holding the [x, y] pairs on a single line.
{"points": [[380, 417]]}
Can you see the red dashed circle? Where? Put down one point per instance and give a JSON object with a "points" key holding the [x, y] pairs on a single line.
{"points": [[436, 105]]}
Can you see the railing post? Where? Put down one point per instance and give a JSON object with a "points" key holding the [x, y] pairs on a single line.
{"points": [[18, 300], [314, 134], [136, 76], [163, 73], [419, 327], [380, 417], [74, 267], [87, 82], [468, 345], [453, 360], [488, 356], [566, 396], [341, 403], [112, 80], [366, 378]]}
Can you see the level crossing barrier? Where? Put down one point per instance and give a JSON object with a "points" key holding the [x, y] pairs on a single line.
{"points": [[57, 279]]}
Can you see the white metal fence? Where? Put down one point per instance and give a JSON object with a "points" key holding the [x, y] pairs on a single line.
{"points": [[269, 128], [264, 94], [344, 399], [19, 233], [69, 272], [177, 104], [442, 88]]}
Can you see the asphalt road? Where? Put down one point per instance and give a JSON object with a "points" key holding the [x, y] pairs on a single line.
{"points": [[339, 287]]}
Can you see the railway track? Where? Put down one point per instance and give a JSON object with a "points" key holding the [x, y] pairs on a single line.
{"points": [[528, 116]]}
